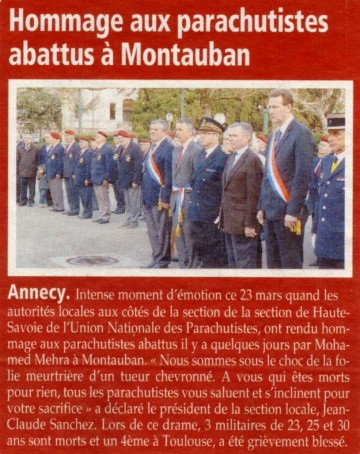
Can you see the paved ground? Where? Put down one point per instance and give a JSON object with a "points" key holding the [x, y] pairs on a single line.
{"points": [[46, 240]]}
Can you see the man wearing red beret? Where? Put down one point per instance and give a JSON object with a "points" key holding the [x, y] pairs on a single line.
{"points": [[54, 170]]}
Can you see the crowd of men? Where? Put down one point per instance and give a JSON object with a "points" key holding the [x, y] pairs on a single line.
{"points": [[206, 194]]}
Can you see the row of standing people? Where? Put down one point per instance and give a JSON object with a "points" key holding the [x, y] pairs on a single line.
{"points": [[209, 205]]}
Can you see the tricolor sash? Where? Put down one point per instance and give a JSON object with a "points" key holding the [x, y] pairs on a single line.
{"points": [[153, 169], [180, 200], [273, 174]]}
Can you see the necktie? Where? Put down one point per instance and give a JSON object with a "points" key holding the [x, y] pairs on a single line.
{"points": [[202, 156], [230, 164], [179, 156], [278, 138], [334, 164]]}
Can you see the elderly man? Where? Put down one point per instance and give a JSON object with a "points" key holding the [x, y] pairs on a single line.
{"points": [[205, 198], [101, 171], [156, 192], [54, 171], [330, 212], [290, 151], [71, 153], [27, 159], [184, 159], [241, 185], [129, 166]]}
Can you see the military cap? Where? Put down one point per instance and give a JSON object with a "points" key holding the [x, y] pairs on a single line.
{"points": [[336, 121], [122, 133], [85, 139], [55, 135], [324, 139], [209, 124], [102, 133], [69, 132]]}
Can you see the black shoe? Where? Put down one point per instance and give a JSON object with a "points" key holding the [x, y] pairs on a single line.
{"points": [[57, 210], [119, 211], [159, 266], [103, 221], [72, 213], [22, 204], [85, 216], [30, 204]]}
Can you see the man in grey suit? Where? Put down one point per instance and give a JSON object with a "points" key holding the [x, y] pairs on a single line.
{"points": [[184, 159]]}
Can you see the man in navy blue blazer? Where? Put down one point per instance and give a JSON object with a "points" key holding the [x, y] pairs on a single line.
{"points": [[156, 192], [290, 152], [101, 171], [54, 171], [205, 198]]}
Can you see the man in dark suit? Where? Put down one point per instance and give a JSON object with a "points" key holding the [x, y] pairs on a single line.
{"points": [[71, 153], [156, 192], [83, 178], [330, 210], [28, 159], [129, 165], [101, 171], [205, 198], [54, 171], [290, 151], [184, 159], [119, 195], [241, 184]]}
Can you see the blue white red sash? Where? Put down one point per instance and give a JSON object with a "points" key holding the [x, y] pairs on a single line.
{"points": [[273, 174], [153, 169]]}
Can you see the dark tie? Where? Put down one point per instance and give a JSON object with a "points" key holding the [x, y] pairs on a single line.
{"points": [[278, 138], [202, 156], [179, 156]]}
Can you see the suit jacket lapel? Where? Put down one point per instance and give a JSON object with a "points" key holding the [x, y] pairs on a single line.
{"points": [[237, 166], [285, 136]]}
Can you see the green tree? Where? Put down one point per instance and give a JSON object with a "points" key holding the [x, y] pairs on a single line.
{"points": [[39, 108]]}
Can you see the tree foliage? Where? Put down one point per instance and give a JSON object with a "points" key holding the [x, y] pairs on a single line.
{"points": [[39, 108], [243, 104]]}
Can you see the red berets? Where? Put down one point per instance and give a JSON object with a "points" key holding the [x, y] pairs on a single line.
{"points": [[102, 133], [261, 137], [132, 136], [85, 139], [55, 135], [70, 132], [144, 141], [324, 139], [122, 133]]}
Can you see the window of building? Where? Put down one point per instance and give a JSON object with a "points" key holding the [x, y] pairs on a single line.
{"points": [[112, 111]]}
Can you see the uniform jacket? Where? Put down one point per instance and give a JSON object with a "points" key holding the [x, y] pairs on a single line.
{"points": [[115, 153], [205, 197], [151, 190], [102, 164], [330, 213], [70, 157], [83, 167], [294, 158], [43, 154], [54, 162], [28, 160], [129, 166], [240, 195], [183, 172]]}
